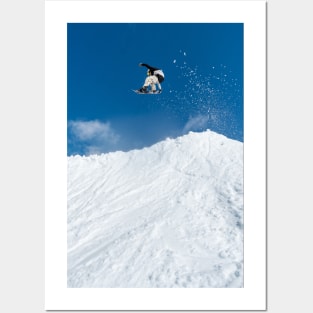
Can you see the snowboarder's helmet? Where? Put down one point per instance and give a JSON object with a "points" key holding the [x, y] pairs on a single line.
{"points": [[148, 72]]}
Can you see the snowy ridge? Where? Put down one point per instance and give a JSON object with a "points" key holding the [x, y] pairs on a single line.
{"points": [[170, 215]]}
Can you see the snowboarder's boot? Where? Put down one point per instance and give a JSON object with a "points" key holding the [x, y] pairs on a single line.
{"points": [[143, 89]]}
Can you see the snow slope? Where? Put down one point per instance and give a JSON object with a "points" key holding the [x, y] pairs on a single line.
{"points": [[170, 215]]}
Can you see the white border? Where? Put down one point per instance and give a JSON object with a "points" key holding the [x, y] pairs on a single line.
{"points": [[253, 295]]}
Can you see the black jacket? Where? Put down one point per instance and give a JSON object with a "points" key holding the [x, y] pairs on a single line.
{"points": [[153, 70]]}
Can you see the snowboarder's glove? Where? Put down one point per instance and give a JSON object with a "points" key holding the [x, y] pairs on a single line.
{"points": [[140, 64]]}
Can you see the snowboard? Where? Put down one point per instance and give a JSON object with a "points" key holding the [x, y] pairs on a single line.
{"points": [[147, 93]]}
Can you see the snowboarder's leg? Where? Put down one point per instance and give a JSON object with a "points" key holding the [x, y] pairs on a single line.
{"points": [[151, 81], [153, 89], [147, 82], [155, 82]]}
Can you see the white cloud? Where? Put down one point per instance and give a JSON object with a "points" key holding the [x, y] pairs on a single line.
{"points": [[93, 130], [90, 150], [198, 122], [93, 136]]}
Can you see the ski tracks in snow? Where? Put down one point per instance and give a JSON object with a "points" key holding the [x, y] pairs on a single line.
{"points": [[166, 216]]}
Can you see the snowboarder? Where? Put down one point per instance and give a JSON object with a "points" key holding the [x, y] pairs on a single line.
{"points": [[155, 76]]}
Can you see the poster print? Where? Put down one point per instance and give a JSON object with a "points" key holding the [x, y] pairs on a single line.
{"points": [[156, 186]]}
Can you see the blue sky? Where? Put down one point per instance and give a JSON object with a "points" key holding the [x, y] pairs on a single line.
{"points": [[203, 86]]}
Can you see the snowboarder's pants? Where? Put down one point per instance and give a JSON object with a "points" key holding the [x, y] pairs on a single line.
{"points": [[152, 81]]}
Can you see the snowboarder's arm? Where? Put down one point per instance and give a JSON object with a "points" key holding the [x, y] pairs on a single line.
{"points": [[149, 67]]}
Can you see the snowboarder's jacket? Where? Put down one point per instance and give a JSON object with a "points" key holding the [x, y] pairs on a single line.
{"points": [[154, 71]]}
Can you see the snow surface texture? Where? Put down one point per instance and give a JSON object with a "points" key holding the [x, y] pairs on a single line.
{"points": [[170, 215]]}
